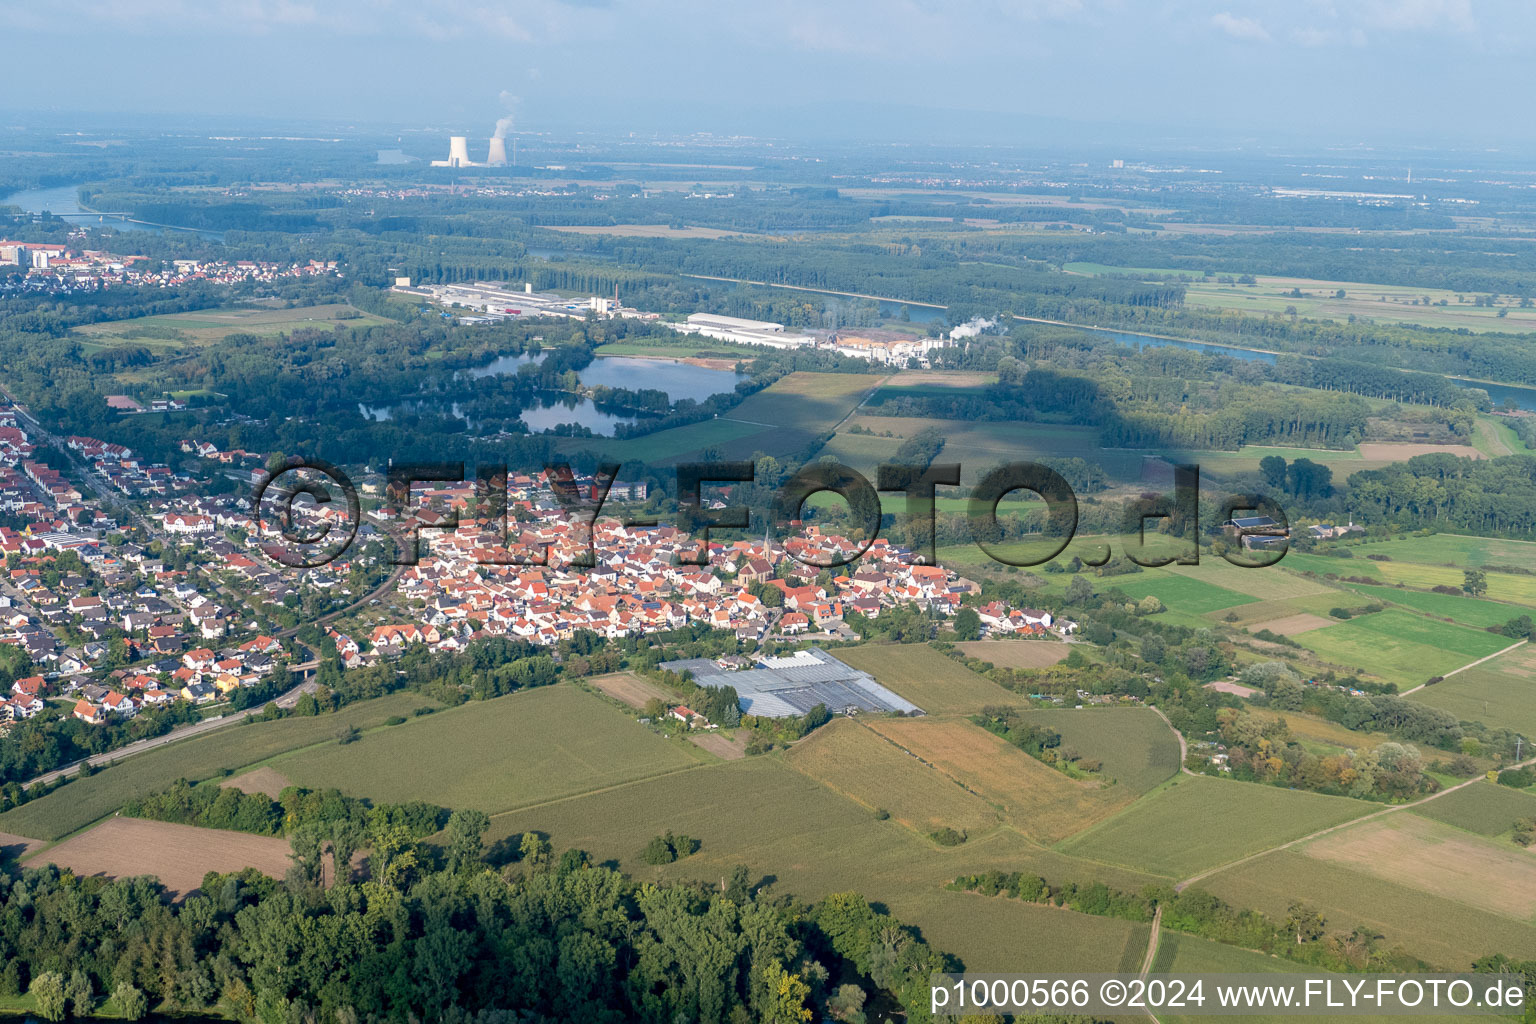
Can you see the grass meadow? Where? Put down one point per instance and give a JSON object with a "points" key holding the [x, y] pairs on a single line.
{"points": [[1137, 748], [1179, 593], [1399, 646]]}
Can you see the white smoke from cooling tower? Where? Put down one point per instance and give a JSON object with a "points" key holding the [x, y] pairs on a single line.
{"points": [[497, 156], [458, 151]]}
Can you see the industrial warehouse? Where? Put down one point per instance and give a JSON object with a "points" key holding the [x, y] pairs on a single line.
{"points": [[793, 685]]}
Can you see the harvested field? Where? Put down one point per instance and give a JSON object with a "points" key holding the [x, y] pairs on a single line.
{"points": [[943, 378], [1441, 931], [725, 747], [1292, 624], [178, 855], [259, 780], [1016, 653], [17, 847], [1041, 802], [1402, 451], [871, 770], [1236, 689], [1411, 850], [630, 688]]}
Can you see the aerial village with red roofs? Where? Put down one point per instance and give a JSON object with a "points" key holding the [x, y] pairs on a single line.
{"points": [[50, 268], [135, 591]]}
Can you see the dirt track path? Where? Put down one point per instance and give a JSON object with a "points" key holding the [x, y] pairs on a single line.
{"points": [[1472, 664]]}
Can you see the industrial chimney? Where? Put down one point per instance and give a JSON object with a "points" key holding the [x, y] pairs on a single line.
{"points": [[458, 151], [497, 156]]}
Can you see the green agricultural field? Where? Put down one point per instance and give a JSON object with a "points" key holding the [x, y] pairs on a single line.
{"points": [[1453, 549], [1467, 610], [782, 419], [1516, 589], [84, 801], [1196, 823], [1377, 303], [804, 840], [1037, 800], [207, 326], [934, 682], [811, 402], [1500, 692], [962, 557], [1104, 270], [977, 445], [1246, 459], [1486, 808], [1191, 955], [670, 444], [1264, 614], [1010, 936], [1350, 898], [697, 348], [1400, 646], [494, 755], [1178, 593], [1137, 748], [1267, 583]]}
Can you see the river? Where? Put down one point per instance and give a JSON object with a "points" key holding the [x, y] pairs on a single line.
{"points": [[63, 201]]}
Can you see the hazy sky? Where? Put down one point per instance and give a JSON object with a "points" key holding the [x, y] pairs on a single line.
{"points": [[1418, 71]]}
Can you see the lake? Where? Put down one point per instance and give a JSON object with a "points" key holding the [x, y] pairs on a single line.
{"points": [[556, 411], [678, 380], [503, 364]]}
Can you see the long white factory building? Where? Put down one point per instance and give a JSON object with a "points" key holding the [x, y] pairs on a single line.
{"points": [[743, 332]]}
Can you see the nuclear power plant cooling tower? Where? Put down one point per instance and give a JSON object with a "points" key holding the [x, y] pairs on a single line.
{"points": [[458, 151], [497, 156]]}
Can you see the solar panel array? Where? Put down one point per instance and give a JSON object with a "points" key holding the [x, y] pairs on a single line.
{"points": [[782, 687]]}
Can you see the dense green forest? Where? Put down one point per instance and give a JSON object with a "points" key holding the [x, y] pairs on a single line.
{"points": [[439, 933]]}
